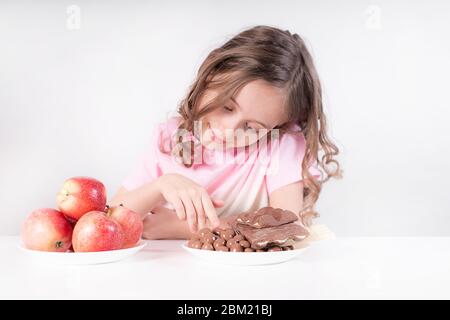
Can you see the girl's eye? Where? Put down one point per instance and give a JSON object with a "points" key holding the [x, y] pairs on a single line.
{"points": [[228, 108]]}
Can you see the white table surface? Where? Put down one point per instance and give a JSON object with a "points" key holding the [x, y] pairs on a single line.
{"points": [[342, 268]]}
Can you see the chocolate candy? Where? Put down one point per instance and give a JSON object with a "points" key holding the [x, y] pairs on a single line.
{"points": [[222, 248], [217, 231], [209, 238], [236, 247], [204, 232], [238, 237], [231, 242], [266, 217], [249, 250], [273, 249], [207, 246], [191, 242], [228, 234], [196, 244], [219, 243], [244, 243]]}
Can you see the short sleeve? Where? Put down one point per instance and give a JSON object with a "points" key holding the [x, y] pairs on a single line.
{"points": [[285, 166], [146, 170]]}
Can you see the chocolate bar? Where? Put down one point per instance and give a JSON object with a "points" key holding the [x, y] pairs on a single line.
{"points": [[266, 217], [281, 235]]}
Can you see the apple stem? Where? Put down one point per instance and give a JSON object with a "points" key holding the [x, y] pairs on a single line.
{"points": [[121, 204], [59, 244]]}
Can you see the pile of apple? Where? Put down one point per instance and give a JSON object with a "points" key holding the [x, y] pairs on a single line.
{"points": [[83, 221]]}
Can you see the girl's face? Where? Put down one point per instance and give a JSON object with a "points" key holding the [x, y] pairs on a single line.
{"points": [[245, 119]]}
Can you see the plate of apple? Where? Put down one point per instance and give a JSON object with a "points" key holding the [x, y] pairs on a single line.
{"points": [[83, 229]]}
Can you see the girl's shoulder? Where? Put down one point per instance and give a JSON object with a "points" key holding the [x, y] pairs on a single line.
{"points": [[292, 137], [169, 125]]}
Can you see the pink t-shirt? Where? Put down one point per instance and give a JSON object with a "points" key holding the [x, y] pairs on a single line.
{"points": [[242, 177]]}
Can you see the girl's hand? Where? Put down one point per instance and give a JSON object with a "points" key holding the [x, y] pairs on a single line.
{"points": [[190, 201]]}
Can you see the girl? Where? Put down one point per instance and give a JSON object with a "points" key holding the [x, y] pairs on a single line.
{"points": [[247, 135]]}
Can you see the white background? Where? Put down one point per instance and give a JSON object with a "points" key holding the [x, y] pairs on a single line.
{"points": [[82, 101]]}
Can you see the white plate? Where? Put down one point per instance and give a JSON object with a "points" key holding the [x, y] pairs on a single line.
{"points": [[82, 258], [245, 258]]}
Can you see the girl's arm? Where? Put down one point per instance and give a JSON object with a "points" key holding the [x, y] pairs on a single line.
{"points": [[289, 197], [161, 223], [164, 224], [141, 200]]}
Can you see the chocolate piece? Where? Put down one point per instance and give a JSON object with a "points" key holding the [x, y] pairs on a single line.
{"points": [[231, 242], [207, 246], [219, 243], [217, 231], [228, 234], [267, 237], [273, 249], [209, 238], [266, 217], [244, 243], [238, 237], [236, 247], [191, 242], [197, 244], [249, 250], [204, 232], [222, 248], [260, 250]]}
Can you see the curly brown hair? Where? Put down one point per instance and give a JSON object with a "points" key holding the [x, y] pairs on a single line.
{"points": [[283, 60]]}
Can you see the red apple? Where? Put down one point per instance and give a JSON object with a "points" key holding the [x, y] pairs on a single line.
{"points": [[130, 222], [80, 195], [47, 230], [95, 231]]}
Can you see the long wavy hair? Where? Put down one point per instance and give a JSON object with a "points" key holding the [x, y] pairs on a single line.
{"points": [[283, 60]]}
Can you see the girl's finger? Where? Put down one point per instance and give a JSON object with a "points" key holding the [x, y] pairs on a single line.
{"points": [[178, 207], [190, 212], [210, 211], [201, 218], [218, 202]]}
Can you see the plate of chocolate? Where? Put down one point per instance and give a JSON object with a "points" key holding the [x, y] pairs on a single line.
{"points": [[264, 236]]}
